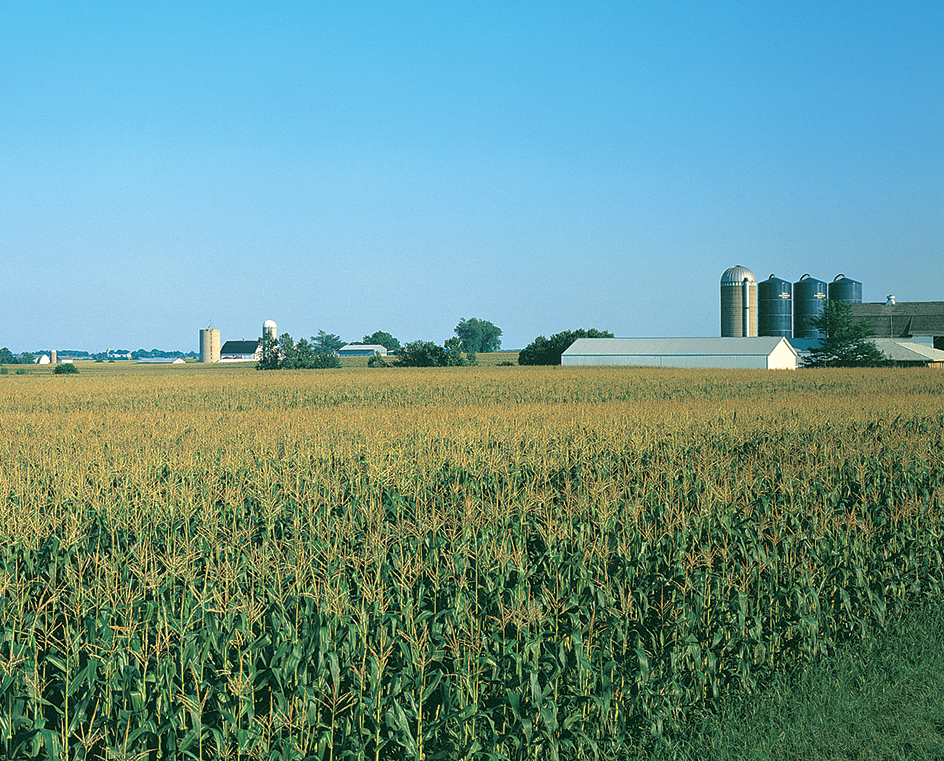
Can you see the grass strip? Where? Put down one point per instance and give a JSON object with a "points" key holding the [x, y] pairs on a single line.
{"points": [[881, 699]]}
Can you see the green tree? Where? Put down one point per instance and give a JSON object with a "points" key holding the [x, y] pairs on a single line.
{"points": [[421, 354], [6, 357], [324, 360], [428, 354], [66, 368], [478, 335], [288, 353], [846, 343], [26, 358], [547, 351], [270, 354], [326, 342], [380, 338], [304, 353], [454, 358]]}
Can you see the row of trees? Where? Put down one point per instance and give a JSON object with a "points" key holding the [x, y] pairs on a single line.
{"points": [[845, 344], [284, 353], [471, 336], [7, 357]]}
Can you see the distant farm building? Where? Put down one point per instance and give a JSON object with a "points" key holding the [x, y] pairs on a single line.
{"points": [[241, 351], [910, 353], [362, 350], [160, 361], [923, 320], [760, 353]]}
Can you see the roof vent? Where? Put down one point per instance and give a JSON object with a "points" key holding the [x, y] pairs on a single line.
{"points": [[890, 300]]}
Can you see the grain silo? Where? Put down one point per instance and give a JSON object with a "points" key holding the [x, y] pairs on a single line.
{"points": [[738, 303], [209, 345], [843, 288], [775, 308], [808, 296]]}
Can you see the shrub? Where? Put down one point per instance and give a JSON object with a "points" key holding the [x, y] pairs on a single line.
{"points": [[66, 369], [547, 351], [324, 360]]}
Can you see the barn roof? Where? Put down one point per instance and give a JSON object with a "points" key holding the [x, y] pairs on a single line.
{"points": [[676, 347], [239, 347], [907, 351], [904, 319]]}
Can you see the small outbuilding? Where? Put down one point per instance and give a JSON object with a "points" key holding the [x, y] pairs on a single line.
{"points": [[362, 350], [760, 353], [160, 361]]}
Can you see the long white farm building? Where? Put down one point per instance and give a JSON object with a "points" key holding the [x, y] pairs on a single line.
{"points": [[762, 353]]}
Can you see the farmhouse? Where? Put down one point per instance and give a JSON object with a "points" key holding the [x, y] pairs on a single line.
{"points": [[764, 353], [362, 350]]}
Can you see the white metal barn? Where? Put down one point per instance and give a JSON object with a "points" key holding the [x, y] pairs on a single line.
{"points": [[761, 353]]}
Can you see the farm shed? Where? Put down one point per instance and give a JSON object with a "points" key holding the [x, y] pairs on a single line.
{"points": [[762, 353], [362, 350], [904, 319], [160, 361], [910, 353], [241, 351]]}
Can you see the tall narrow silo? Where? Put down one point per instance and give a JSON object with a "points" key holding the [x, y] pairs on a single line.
{"points": [[738, 303], [844, 288], [775, 308], [808, 296], [209, 345]]}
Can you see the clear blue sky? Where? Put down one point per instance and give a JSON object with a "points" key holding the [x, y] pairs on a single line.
{"points": [[397, 166]]}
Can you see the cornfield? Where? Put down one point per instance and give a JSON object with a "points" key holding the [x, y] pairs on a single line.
{"points": [[465, 563]]}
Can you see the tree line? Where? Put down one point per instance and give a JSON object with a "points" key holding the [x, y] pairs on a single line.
{"points": [[472, 336]]}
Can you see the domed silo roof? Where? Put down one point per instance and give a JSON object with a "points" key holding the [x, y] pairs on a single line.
{"points": [[738, 302], [737, 275], [269, 324]]}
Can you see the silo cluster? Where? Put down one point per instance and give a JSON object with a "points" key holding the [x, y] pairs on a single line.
{"points": [[776, 307]]}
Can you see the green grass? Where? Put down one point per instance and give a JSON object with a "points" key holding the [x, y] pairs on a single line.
{"points": [[883, 699]]}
